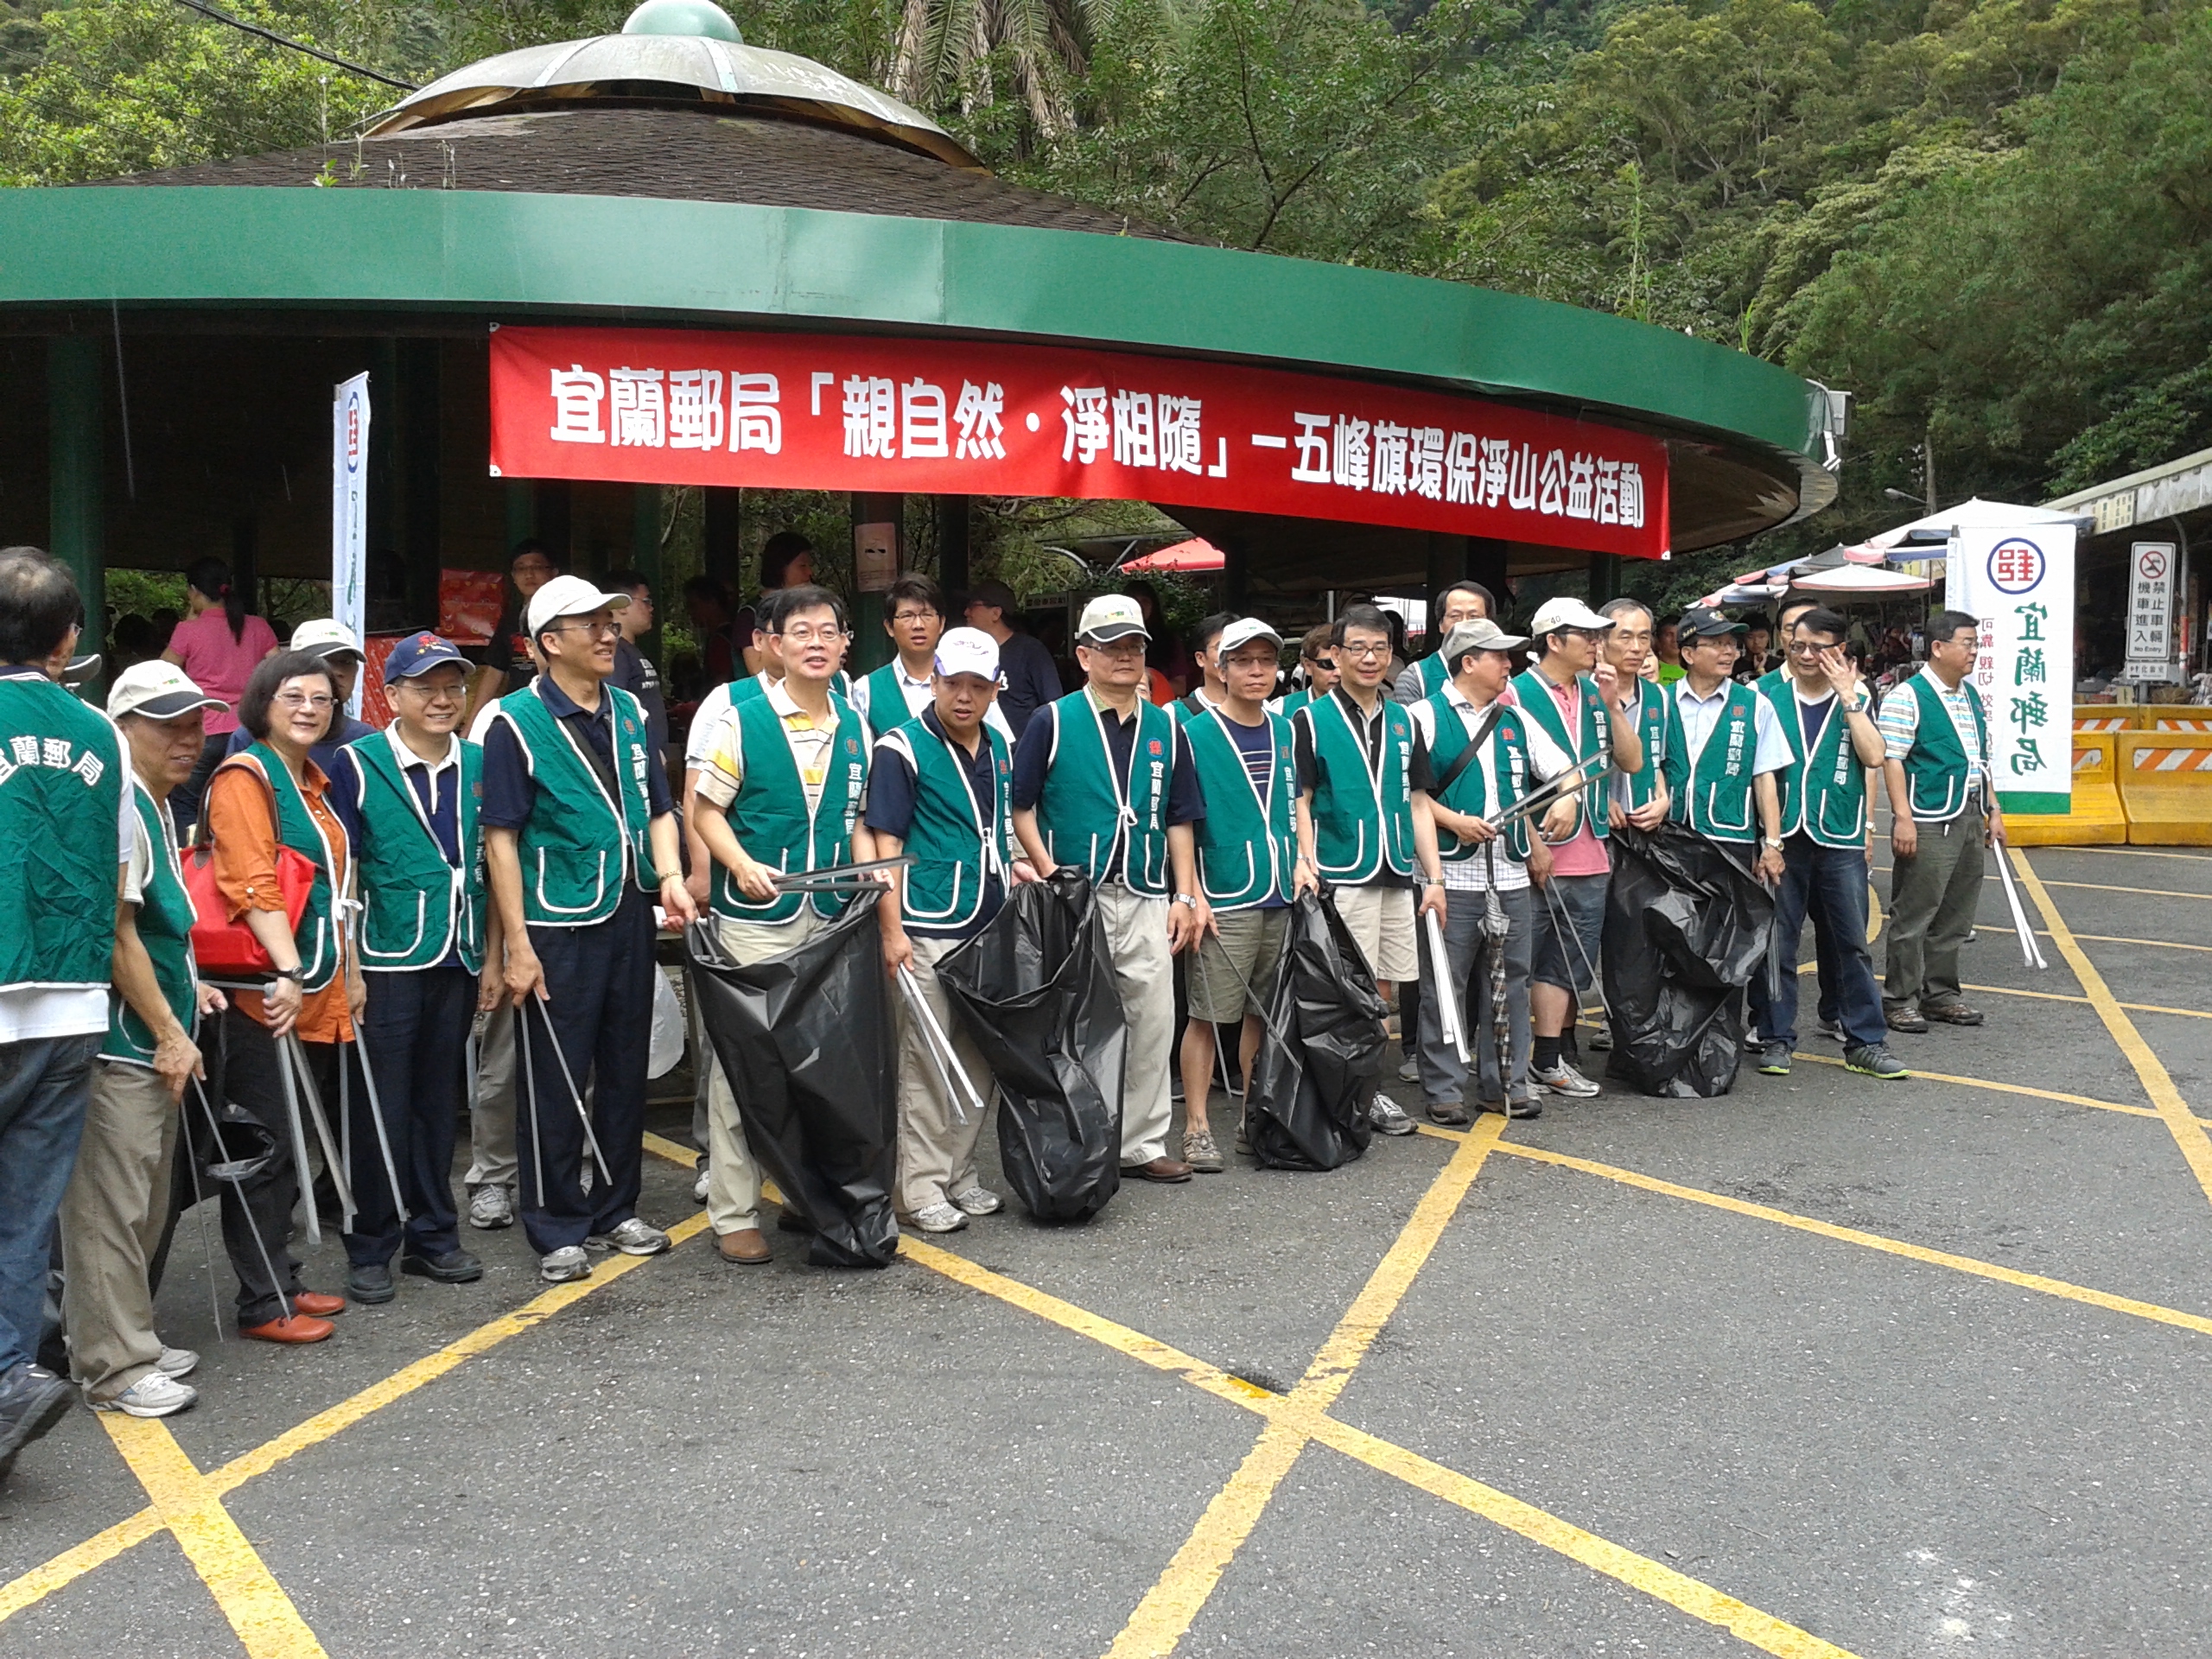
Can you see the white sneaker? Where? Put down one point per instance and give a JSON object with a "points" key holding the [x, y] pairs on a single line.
{"points": [[939, 1217], [1564, 1079], [564, 1266], [1387, 1117], [490, 1207], [176, 1361], [979, 1201], [632, 1237], [151, 1395], [1409, 1072], [699, 1186]]}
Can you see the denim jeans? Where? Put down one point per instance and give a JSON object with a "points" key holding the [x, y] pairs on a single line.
{"points": [[1829, 883], [45, 1084], [1465, 976]]}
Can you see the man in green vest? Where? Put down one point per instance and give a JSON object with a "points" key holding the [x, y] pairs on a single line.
{"points": [[941, 787], [1251, 866], [580, 837], [67, 818], [1583, 704], [409, 796], [117, 1204], [1204, 642], [1317, 657], [905, 687], [1724, 747], [779, 794], [1943, 812], [1355, 751], [1461, 603], [1822, 711], [1102, 779]]}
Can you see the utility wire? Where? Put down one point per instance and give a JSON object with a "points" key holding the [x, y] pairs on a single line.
{"points": [[207, 11]]}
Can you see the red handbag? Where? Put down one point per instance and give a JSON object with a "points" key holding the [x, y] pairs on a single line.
{"points": [[222, 945]]}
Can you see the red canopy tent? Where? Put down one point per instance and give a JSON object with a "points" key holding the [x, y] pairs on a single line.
{"points": [[1188, 558]]}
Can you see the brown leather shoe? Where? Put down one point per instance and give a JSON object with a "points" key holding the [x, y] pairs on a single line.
{"points": [[1167, 1171], [316, 1306], [1951, 1014], [298, 1328], [746, 1247]]}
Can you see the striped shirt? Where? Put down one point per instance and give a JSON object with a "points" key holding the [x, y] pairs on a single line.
{"points": [[1899, 720]]}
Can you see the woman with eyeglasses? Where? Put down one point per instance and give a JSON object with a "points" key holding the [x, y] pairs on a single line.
{"points": [[273, 796]]}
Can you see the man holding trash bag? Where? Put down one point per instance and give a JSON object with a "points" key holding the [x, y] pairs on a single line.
{"points": [[1251, 866], [778, 793], [1478, 758], [941, 787], [1823, 715], [409, 796], [1724, 746], [580, 837], [1102, 779]]}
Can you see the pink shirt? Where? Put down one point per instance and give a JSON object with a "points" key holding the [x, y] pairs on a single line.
{"points": [[218, 665], [1585, 853]]}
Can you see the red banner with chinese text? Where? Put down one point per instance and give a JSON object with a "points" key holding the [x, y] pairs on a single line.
{"points": [[964, 417]]}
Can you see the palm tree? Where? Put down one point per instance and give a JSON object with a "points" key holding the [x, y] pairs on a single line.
{"points": [[946, 48]]}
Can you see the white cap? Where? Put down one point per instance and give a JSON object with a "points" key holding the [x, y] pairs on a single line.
{"points": [[1564, 613], [1111, 616], [326, 637], [1243, 631], [570, 596], [967, 651], [158, 690]]}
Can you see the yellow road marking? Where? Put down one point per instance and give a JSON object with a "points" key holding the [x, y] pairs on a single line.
{"points": [[267, 1623], [2189, 1133], [2102, 887], [2009, 1089], [2141, 852], [1290, 1424], [2064, 996], [2114, 939], [72, 1564]]}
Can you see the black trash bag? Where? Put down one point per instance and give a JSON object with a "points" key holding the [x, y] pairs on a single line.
{"points": [[1036, 990], [807, 1041], [1687, 926], [1322, 1052]]}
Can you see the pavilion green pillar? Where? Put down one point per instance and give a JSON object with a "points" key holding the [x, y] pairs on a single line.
{"points": [[644, 556], [521, 512], [77, 525], [420, 404], [721, 550], [1605, 577], [879, 555], [952, 542]]}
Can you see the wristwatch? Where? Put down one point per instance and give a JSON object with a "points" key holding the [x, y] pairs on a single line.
{"points": [[1770, 840], [1187, 898], [292, 973]]}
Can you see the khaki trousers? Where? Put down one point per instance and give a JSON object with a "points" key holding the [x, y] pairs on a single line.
{"points": [[1136, 933], [937, 1151], [733, 1179], [492, 1112], [112, 1217]]}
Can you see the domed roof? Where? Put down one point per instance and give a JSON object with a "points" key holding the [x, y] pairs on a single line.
{"points": [[673, 52]]}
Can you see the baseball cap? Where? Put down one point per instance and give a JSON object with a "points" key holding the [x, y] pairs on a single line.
{"points": [[570, 596], [1704, 622], [1482, 634], [325, 637], [1565, 612], [1111, 616], [158, 690], [418, 653], [967, 651], [1243, 631]]}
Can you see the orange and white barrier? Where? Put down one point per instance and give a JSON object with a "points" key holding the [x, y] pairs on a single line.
{"points": [[2165, 786], [2097, 817]]}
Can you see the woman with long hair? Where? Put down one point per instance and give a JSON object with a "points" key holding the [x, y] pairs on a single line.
{"points": [[269, 797], [218, 646]]}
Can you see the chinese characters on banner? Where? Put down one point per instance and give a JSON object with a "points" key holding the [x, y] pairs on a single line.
{"points": [[2150, 612], [349, 508], [2020, 583], [799, 411]]}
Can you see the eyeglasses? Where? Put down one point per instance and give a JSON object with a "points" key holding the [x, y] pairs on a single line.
{"points": [[300, 700], [1366, 653], [430, 693], [592, 629], [1809, 647], [915, 616], [805, 637]]}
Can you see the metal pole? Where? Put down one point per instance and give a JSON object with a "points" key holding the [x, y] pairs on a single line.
{"points": [[376, 1111], [299, 1138], [576, 1094], [529, 1083], [233, 1172], [329, 1143]]}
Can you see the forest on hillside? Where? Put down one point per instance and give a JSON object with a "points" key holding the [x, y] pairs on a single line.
{"points": [[1991, 220]]}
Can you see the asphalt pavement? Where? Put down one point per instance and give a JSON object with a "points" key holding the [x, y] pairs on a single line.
{"points": [[1826, 1365]]}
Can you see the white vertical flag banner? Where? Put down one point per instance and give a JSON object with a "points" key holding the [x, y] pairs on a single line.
{"points": [[2151, 612], [2019, 584], [349, 510]]}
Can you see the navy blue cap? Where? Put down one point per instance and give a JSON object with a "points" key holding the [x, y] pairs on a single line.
{"points": [[418, 653]]}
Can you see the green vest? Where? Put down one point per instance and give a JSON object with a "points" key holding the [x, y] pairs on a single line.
{"points": [[1362, 824], [1824, 793], [1432, 672], [1590, 748], [955, 851], [746, 690], [1291, 702], [580, 849], [62, 774], [772, 821], [1469, 792], [1247, 846], [1936, 768], [316, 937], [416, 908], [164, 921], [886, 698], [1714, 798], [1083, 813], [1643, 787]]}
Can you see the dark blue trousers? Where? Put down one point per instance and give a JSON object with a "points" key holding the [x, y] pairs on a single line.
{"points": [[416, 1035], [599, 980], [45, 1084], [1828, 883]]}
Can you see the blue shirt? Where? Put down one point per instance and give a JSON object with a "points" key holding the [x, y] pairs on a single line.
{"points": [[345, 728], [1028, 678], [509, 790], [438, 789], [892, 787]]}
